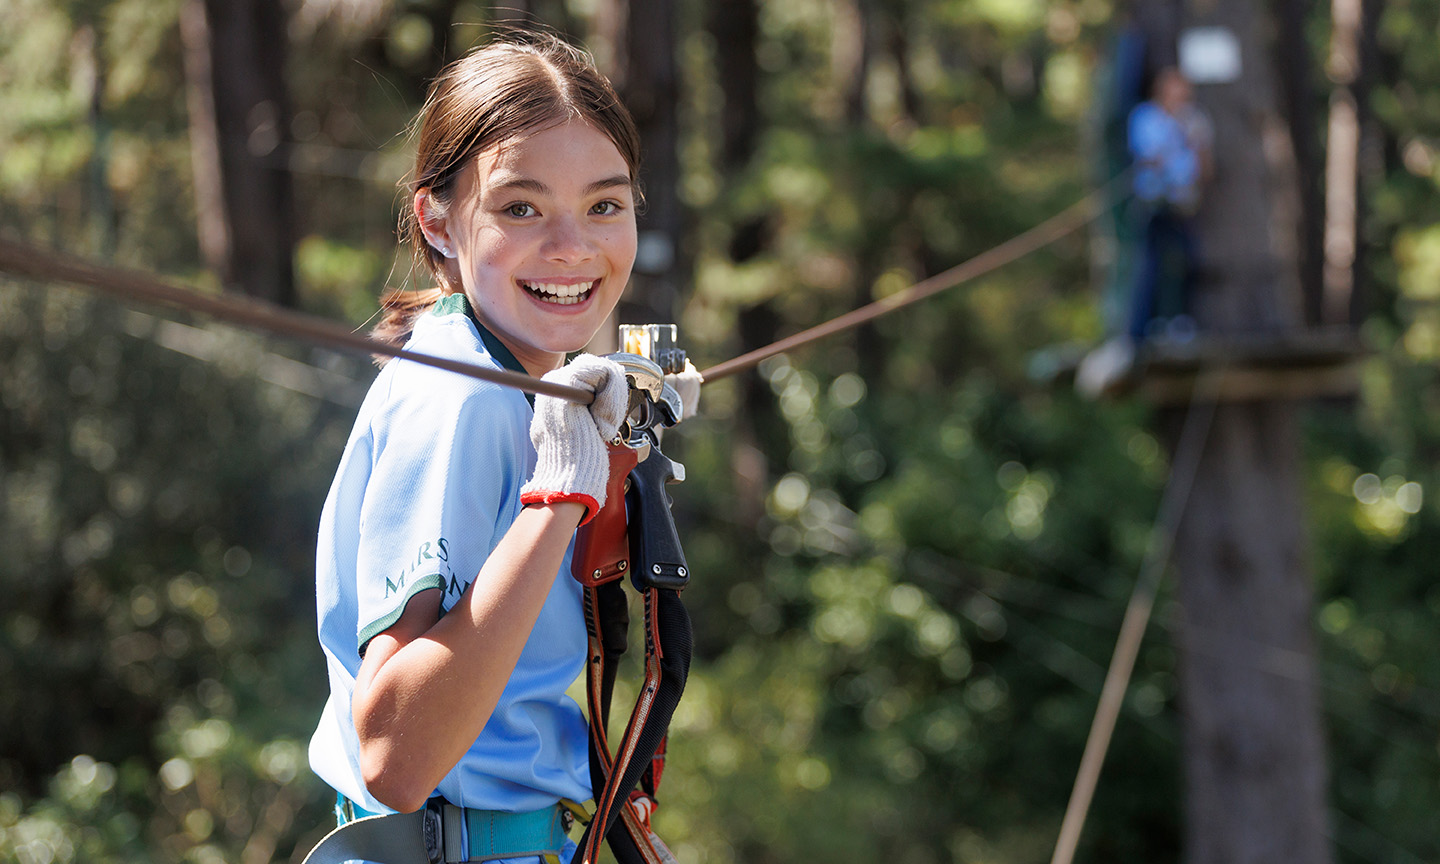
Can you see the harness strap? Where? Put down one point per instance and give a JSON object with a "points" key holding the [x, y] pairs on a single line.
{"points": [[622, 815], [492, 834], [443, 832]]}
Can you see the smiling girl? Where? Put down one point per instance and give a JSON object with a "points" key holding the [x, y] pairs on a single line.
{"points": [[449, 632]]}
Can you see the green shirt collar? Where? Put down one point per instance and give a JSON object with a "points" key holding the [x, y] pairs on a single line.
{"points": [[452, 304]]}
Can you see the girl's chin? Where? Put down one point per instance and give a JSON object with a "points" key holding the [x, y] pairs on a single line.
{"points": [[576, 321], [567, 342]]}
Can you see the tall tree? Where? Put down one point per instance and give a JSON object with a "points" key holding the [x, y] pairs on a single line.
{"points": [[239, 120], [1254, 754], [1369, 169], [735, 27], [642, 35], [1296, 69], [1342, 162]]}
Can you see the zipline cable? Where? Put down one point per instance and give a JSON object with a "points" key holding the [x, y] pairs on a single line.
{"points": [[49, 265], [1070, 219], [1193, 435]]}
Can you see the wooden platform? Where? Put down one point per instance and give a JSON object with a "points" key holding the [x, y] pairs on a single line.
{"points": [[1304, 364], [1296, 365]]}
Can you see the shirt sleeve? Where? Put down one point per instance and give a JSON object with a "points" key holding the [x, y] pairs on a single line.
{"points": [[443, 488], [1147, 133]]}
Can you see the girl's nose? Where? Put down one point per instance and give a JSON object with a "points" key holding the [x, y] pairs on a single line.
{"points": [[569, 241]]}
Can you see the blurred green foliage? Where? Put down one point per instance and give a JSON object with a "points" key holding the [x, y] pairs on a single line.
{"points": [[158, 512], [910, 562]]}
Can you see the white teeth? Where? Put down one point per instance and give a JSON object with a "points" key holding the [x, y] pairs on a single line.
{"points": [[564, 295]]}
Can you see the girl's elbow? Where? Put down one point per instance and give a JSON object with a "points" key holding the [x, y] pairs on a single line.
{"points": [[391, 782]]}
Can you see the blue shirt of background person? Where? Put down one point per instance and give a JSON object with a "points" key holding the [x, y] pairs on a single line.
{"points": [[1167, 164]]}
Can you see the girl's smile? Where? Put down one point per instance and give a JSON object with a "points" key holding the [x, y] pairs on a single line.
{"points": [[560, 293]]}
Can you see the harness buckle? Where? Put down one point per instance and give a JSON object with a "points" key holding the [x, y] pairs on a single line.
{"points": [[432, 829]]}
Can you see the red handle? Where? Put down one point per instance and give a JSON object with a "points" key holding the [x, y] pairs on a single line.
{"points": [[602, 547]]}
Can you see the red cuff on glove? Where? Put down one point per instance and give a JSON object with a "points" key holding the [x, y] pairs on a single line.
{"points": [[538, 496]]}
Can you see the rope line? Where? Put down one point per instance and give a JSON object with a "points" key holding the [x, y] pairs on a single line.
{"points": [[1065, 222], [49, 265], [1137, 612]]}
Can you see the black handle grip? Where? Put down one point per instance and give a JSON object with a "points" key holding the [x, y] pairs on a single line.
{"points": [[655, 551]]}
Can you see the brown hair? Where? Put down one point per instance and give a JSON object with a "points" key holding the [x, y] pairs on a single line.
{"points": [[524, 82]]}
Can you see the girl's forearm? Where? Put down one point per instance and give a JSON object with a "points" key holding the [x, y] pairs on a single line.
{"points": [[427, 687]]}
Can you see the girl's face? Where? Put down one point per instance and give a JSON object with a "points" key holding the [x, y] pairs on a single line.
{"points": [[543, 230]]}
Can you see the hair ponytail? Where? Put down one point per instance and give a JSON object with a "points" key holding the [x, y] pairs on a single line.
{"points": [[398, 311]]}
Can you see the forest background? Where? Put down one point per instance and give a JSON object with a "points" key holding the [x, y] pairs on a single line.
{"points": [[910, 558]]}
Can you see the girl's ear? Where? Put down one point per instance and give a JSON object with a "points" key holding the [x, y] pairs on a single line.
{"points": [[433, 223]]}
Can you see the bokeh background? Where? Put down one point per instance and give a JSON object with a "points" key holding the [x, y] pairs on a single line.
{"points": [[910, 555]]}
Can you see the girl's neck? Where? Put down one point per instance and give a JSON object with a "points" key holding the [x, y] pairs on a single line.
{"points": [[535, 363]]}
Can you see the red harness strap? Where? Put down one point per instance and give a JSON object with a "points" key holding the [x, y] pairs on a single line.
{"points": [[602, 556]]}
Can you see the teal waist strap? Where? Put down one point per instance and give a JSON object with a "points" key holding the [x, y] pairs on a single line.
{"points": [[491, 834]]}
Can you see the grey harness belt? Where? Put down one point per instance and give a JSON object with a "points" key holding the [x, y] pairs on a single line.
{"points": [[399, 838], [430, 835]]}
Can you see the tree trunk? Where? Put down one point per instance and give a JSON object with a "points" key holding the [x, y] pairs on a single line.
{"points": [[898, 44], [851, 52], [735, 27], [1342, 161], [647, 75], [1297, 70], [1254, 753], [239, 118], [1371, 167], [101, 206], [1253, 746]]}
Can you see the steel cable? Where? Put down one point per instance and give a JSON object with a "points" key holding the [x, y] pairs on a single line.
{"points": [[1067, 221], [50, 265]]}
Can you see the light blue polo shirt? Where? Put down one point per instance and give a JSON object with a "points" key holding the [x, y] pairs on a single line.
{"points": [[428, 484]]}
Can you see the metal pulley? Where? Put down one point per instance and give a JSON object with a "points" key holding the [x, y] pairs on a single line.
{"points": [[648, 355]]}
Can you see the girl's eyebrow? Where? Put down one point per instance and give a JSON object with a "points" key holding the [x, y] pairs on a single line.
{"points": [[530, 184], [525, 184], [607, 183]]}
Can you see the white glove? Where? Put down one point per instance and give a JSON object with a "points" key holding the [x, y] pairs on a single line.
{"points": [[687, 387], [573, 462]]}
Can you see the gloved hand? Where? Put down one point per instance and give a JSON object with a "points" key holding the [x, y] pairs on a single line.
{"points": [[573, 462], [687, 386]]}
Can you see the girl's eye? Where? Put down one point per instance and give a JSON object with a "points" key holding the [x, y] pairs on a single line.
{"points": [[520, 211], [606, 208]]}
